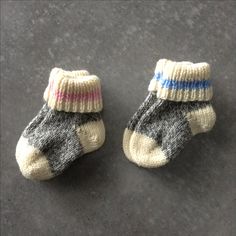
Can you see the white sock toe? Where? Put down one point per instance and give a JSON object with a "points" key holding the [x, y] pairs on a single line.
{"points": [[33, 164], [145, 152]]}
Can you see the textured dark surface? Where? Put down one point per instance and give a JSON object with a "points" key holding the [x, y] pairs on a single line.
{"points": [[103, 193]]}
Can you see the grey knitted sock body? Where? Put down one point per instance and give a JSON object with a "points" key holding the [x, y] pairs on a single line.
{"points": [[68, 126], [181, 110]]}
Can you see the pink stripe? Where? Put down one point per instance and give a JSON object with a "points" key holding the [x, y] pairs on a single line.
{"points": [[76, 97], [95, 95]]}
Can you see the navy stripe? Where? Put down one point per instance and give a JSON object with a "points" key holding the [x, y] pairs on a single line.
{"points": [[172, 84]]}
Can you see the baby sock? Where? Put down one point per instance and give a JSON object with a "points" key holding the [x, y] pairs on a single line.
{"points": [[182, 109], [68, 125]]}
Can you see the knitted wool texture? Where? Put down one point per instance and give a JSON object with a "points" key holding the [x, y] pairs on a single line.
{"points": [[68, 125], [148, 102], [181, 110]]}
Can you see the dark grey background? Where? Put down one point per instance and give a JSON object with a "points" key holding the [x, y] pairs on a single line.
{"points": [[103, 193]]}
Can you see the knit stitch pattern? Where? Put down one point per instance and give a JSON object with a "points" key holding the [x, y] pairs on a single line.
{"points": [[148, 102], [182, 81], [169, 126], [55, 138], [181, 109], [73, 91]]}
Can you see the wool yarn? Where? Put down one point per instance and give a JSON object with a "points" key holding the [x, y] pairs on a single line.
{"points": [[181, 109], [68, 126]]}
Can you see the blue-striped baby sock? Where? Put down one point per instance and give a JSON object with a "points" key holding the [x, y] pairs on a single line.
{"points": [[182, 109]]}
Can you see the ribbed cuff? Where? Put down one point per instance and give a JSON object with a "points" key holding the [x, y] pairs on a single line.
{"points": [[73, 91], [182, 81]]}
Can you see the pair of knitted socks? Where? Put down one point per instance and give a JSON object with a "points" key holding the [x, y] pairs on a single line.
{"points": [[69, 125]]}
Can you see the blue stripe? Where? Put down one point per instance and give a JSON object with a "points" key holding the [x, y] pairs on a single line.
{"points": [[171, 84]]}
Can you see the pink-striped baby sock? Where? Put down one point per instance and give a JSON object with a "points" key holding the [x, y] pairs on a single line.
{"points": [[68, 125]]}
